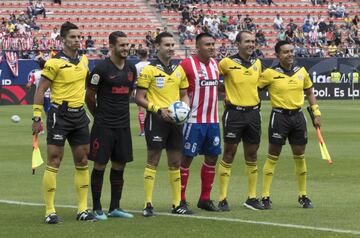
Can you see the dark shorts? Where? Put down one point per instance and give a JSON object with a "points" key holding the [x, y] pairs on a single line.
{"points": [[71, 125], [160, 134], [110, 143], [241, 125], [284, 125]]}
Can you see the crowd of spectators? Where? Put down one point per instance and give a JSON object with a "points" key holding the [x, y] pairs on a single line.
{"points": [[314, 37]]}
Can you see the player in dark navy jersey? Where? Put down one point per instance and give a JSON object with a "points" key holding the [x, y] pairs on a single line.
{"points": [[109, 88]]}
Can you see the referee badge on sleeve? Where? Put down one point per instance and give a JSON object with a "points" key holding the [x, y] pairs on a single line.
{"points": [[95, 79], [300, 77]]}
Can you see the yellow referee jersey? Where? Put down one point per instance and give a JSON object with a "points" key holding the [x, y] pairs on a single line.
{"points": [[285, 87], [67, 78], [240, 79], [163, 83]]}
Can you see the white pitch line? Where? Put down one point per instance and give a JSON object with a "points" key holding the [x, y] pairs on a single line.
{"points": [[326, 229]]}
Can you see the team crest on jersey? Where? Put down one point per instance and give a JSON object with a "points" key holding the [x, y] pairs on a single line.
{"points": [[95, 79], [130, 76], [216, 141], [160, 82]]}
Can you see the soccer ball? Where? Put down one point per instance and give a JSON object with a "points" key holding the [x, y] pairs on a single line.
{"points": [[180, 112], [15, 118]]}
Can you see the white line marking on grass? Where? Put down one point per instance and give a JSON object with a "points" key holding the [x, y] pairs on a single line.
{"points": [[313, 228]]}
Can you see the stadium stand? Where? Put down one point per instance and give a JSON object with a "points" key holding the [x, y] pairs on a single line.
{"points": [[140, 19]]}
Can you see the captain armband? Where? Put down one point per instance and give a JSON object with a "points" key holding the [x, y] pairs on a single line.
{"points": [[37, 110], [315, 109]]}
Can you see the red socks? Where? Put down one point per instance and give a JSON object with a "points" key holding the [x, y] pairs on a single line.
{"points": [[141, 117], [184, 172], [207, 179]]}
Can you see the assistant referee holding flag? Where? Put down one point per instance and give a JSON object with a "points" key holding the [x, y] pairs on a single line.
{"points": [[65, 74], [286, 84]]}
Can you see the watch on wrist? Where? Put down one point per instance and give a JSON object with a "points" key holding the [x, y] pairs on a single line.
{"points": [[36, 119]]}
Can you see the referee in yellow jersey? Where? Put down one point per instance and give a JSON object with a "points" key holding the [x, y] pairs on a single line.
{"points": [[160, 84], [65, 74], [286, 84], [241, 118]]}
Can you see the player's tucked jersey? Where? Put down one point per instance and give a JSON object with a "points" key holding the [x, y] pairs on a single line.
{"points": [[114, 87], [203, 81], [285, 87], [163, 83], [34, 78], [68, 77], [240, 79]]}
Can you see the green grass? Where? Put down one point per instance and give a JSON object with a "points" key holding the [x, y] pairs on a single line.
{"points": [[333, 189]]}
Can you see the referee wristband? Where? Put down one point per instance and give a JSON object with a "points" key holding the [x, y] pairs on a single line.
{"points": [[152, 108], [37, 110], [315, 109]]}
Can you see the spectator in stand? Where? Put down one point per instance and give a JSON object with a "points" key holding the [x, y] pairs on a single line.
{"points": [[54, 34], [132, 51], [340, 10], [289, 35], [322, 24], [57, 1], [300, 50], [223, 51], [356, 22], [148, 39], [155, 33], [214, 29], [332, 8], [281, 35], [224, 19], [181, 32], [190, 31], [104, 50], [309, 18], [89, 44], [260, 38], [160, 5], [337, 36], [271, 2], [30, 9], [278, 22], [175, 5], [306, 29], [186, 14], [206, 27], [33, 25], [332, 49], [313, 37], [10, 27], [167, 4], [232, 49], [231, 23], [249, 24], [347, 22], [232, 35], [21, 27], [292, 25], [331, 26], [39, 8], [261, 2]]}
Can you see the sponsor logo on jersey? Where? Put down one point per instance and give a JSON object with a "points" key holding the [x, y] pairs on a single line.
{"points": [[130, 76], [119, 90], [209, 82]]}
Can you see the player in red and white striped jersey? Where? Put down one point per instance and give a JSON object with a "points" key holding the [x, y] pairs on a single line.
{"points": [[202, 131]]}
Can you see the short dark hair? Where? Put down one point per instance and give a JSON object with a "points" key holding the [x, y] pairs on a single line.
{"points": [[142, 53], [114, 35], [66, 27], [202, 35], [41, 62], [239, 35], [162, 35], [279, 44]]}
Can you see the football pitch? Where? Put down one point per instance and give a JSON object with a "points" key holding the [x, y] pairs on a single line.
{"points": [[334, 190]]}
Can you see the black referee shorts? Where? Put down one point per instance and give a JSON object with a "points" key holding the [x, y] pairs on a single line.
{"points": [[289, 124], [242, 125], [110, 143], [71, 124], [160, 134]]}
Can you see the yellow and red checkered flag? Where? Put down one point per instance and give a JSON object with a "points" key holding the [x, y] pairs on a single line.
{"points": [[36, 160]]}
